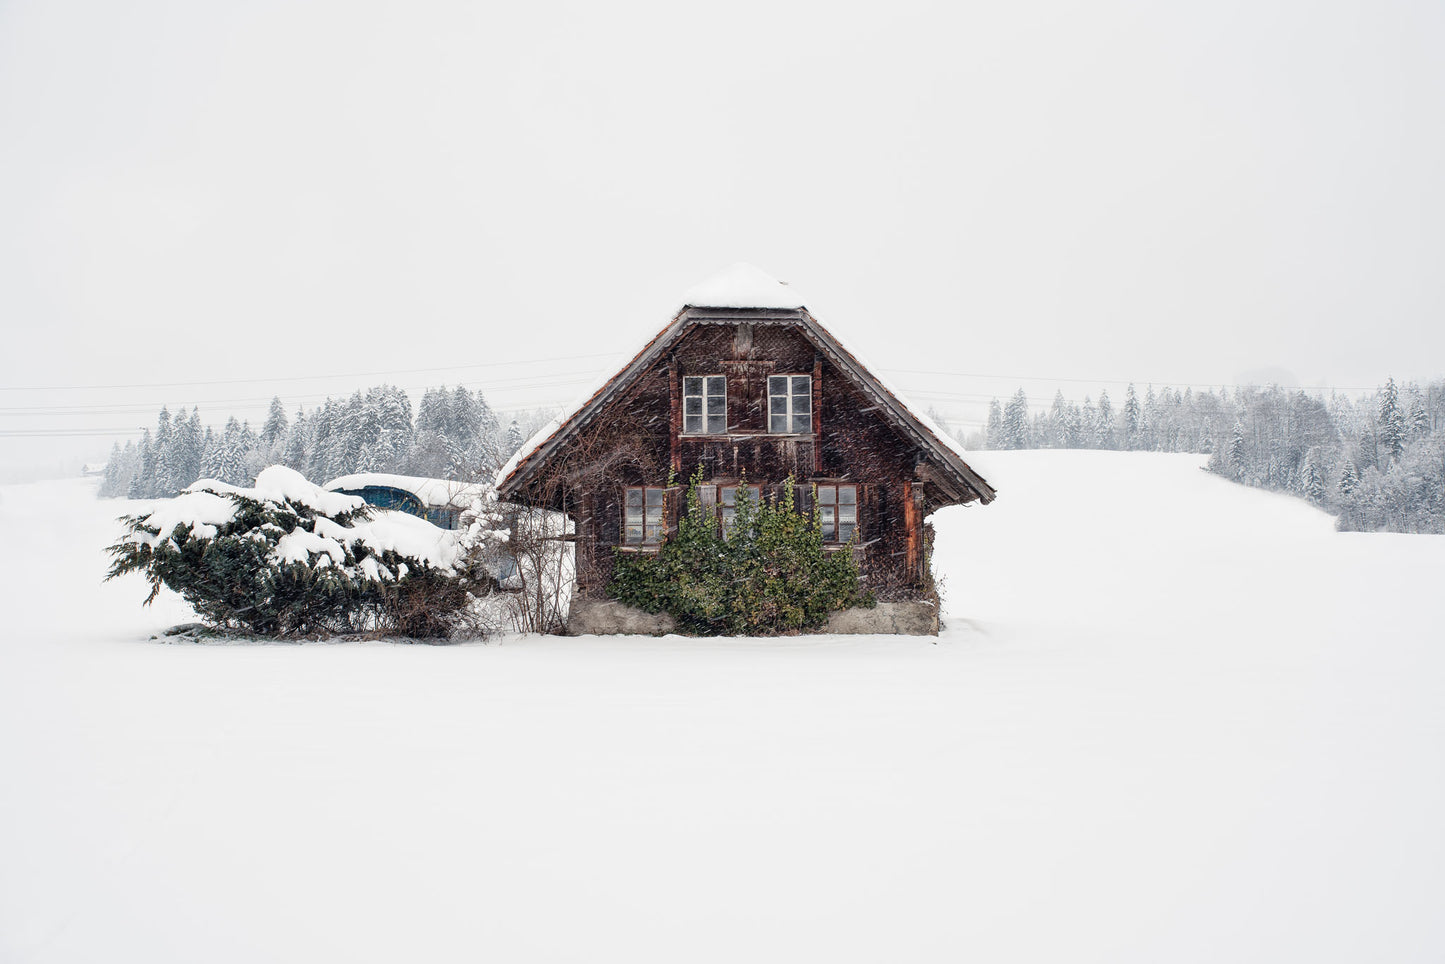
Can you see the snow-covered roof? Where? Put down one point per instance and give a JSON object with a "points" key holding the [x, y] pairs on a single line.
{"points": [[433, 493], [743, 286]]}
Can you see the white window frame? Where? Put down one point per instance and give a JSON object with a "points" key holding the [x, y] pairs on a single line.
{"points": [[644, 519], [708, 394], [784, 405], [837, 515]]}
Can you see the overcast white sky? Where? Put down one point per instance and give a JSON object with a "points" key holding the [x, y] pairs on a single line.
{"points": [[225, 193]]}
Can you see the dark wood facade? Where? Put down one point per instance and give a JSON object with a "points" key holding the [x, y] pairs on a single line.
{"points": [[858, 434]]}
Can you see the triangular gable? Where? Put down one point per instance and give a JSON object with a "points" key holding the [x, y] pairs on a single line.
{"points": [[781, 306]]}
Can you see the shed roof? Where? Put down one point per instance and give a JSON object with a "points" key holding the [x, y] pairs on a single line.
{"points": [[432, 493]]}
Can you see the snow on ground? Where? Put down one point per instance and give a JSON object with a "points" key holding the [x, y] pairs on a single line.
{"points": [[1171, 719]]}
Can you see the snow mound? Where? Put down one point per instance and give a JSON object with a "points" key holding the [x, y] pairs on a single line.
{"points": [[741, 286], [209, 504]]}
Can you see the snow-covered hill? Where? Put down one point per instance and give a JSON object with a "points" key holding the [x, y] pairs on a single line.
{"points": [[1170, 719]]}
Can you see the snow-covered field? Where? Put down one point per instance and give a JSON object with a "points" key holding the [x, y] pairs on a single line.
{"points": [[1170, 720]]}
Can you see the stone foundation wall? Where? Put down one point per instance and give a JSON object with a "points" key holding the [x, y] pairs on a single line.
{"points": [[605, 617]]}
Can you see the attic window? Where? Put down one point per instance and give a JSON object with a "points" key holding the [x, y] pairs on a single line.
{"points": [[790, 404], [838, 512], [642, 516], [705, 405]]}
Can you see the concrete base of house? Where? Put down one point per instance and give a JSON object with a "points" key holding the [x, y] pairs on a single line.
{"points": [[606, 617], [896, 618]]}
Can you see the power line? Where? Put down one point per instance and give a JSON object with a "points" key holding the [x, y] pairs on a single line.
{"points": [[520, 383], [295, 378], [1163, 383]]}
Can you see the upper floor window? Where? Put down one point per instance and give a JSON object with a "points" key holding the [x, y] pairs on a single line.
{"points": [[705, 405], [838, 512], [790, 404], [644, 522]]}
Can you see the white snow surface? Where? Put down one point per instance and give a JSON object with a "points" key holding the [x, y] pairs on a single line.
{"points": [[433, 493], [1170, 719]]}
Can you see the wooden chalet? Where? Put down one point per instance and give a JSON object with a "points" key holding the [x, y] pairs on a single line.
{"points": [[745, 383]]}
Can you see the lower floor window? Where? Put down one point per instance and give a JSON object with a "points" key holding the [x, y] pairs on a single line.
{"points": [[722, 500], [644, 522], [838, 512]]}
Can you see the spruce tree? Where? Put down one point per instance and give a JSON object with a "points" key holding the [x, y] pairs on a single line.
{"points": [[993, 432], [1131, 417], [1016, 422], [1392, 421], [1107, 439], [274, 431]]}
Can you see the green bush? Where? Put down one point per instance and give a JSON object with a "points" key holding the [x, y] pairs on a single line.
{"points": [[769, 575]]}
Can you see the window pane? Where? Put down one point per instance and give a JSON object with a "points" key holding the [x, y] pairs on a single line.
{"points": [[654, 497], [755, 492], [730, 495], [692, 386], [778, 424], [707, 495], [692, 425], [717, 385], [802, 384], [827, 494], [847, 513], [717, 425], [634, 533], [717, 405], [692, 405], [634, 497], [778, 405], [845, 531], [777, 384], [802, 424], [847, 494]]}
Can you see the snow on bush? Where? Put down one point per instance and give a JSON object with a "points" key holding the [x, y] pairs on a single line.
{"points": [[288, 558]]}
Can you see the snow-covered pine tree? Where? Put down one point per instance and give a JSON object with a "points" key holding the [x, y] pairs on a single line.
{"points": [[1417, 417], [294, 450], [1016, 421], [1392, 421], [993, 430], [1238, 452], [1131, 415], [514, 438], [1057, 432], [273, 432], [1349, 478], [1107, 438], [187, 444], [1312, 477], [395, 433]]}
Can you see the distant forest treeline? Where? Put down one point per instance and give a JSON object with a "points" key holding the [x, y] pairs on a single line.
{"points": [[455, 435], [1376, 462]]}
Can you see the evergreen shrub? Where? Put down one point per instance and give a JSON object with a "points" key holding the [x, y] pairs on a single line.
{"points": [[288, 559], [768, 575]]}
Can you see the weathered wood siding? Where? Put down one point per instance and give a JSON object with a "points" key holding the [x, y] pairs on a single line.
{"points": [[849, 443]]}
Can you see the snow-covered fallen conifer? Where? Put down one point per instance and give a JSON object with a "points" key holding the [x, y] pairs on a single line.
{"points": [[288, 558]]}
